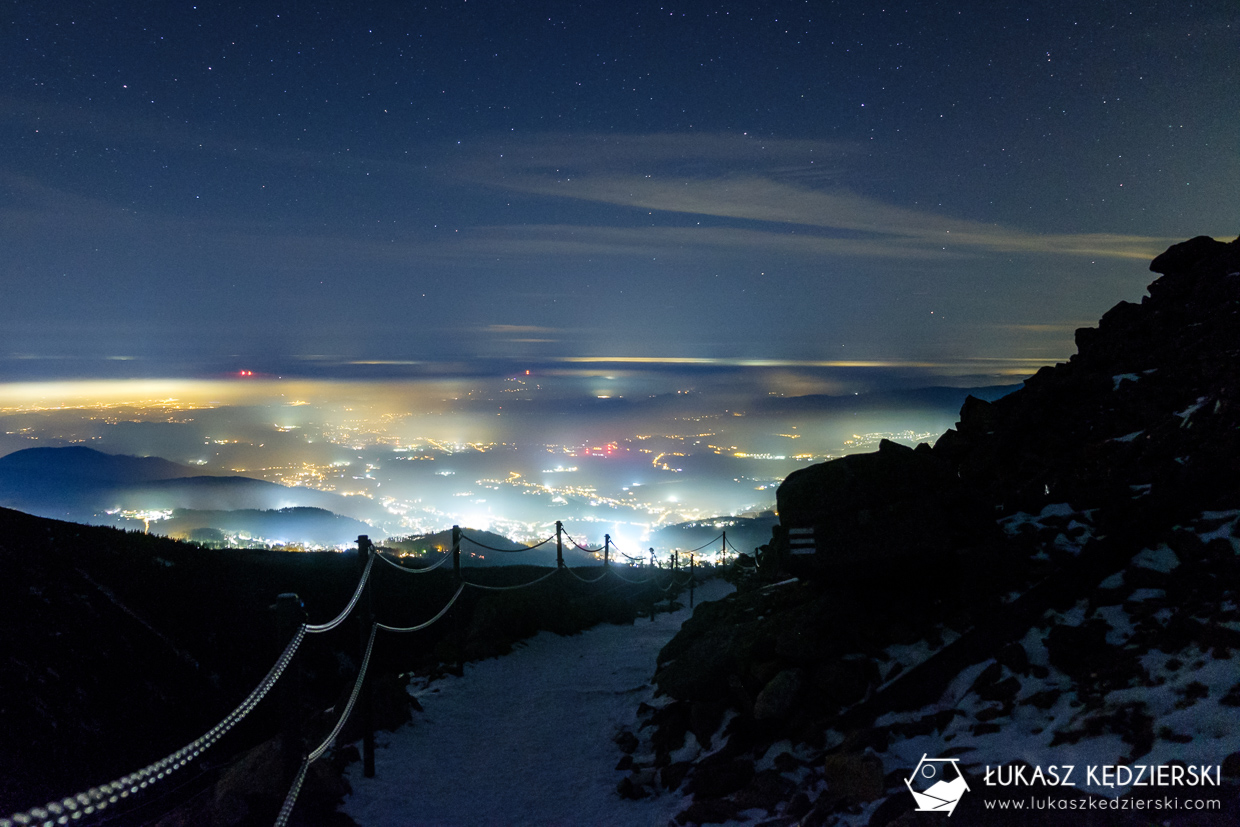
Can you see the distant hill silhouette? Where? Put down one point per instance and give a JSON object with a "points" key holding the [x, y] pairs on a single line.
{"points": [[945, 398], [314, 526], [77, 463], [81, 485]]}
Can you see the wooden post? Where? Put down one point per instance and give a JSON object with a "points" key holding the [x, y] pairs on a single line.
{"points": [[559, 544], [365, 620], [290, 614]]}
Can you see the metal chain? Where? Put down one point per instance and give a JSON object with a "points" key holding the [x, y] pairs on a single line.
{"points": [[421, 626], [552, 573], [465, 536], [631, 582], [105, 795], [704, 545], [396, 565], [357, 688], [286, 809], [581, 547], [357, 593], [582, 579]]}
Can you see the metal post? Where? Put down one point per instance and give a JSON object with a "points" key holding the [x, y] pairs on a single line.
{"points": [[723, 549], [559, 544], [456, 554], [456, 610], [290, 614], [654, 598], [692, 580], [606, 551], [365, 620]]}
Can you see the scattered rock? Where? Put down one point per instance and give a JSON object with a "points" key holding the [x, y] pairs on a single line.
{"points": [[859, 777], [717, 778], [779, 696]]}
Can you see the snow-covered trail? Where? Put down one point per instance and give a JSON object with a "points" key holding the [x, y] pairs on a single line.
{"points": [[525, 739]]}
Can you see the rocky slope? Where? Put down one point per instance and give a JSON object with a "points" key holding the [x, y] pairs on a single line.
{"points": [[1053, 583]]}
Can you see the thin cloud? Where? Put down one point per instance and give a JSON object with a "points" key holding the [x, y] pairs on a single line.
{"points": [[1006, 366], [767, 182], [509, 329]]}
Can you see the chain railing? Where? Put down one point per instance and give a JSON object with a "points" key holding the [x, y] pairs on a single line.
{"points": [[74, 809]]}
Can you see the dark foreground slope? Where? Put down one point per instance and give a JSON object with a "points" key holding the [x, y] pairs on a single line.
{"points": [[1055, 582], [118, 648]]}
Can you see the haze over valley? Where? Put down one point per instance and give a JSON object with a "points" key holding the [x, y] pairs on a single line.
{"points": [[624, 453]]}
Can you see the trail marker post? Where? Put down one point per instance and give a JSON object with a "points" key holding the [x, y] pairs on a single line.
{"points": [[365, 620]]}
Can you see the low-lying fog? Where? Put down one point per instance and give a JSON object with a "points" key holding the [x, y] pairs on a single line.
{"points": [[618, 452]]}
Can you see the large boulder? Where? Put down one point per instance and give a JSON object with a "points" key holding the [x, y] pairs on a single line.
{"points": [[897, 505]]}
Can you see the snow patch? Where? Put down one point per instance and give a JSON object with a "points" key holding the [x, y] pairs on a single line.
{"points": [[1161, 559], [526, 738]]}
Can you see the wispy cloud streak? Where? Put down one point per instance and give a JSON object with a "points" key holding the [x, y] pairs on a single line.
{"points": [[777, 185]]}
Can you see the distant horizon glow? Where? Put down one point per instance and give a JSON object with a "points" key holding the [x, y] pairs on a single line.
{"points": [[509, 453]]}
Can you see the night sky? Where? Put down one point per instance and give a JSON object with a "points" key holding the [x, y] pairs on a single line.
{"points": [[314, 188]]}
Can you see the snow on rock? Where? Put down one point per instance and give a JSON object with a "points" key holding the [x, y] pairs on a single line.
{"points": [[525, 739]]}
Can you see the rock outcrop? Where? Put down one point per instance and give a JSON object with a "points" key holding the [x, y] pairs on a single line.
{"points": [[1055, 581]]}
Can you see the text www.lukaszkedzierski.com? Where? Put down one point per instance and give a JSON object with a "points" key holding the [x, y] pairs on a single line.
{"points": [[1048, 803]]}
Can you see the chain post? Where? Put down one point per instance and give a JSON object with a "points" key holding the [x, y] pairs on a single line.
{"points": [[456, 554], [606, 551], [654, 598], [365, 621], [456, 610], [559, 544], [723, 549], [692, 579]]}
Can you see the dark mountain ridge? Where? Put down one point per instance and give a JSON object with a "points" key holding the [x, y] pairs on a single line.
{"points": [[80, 464]]}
